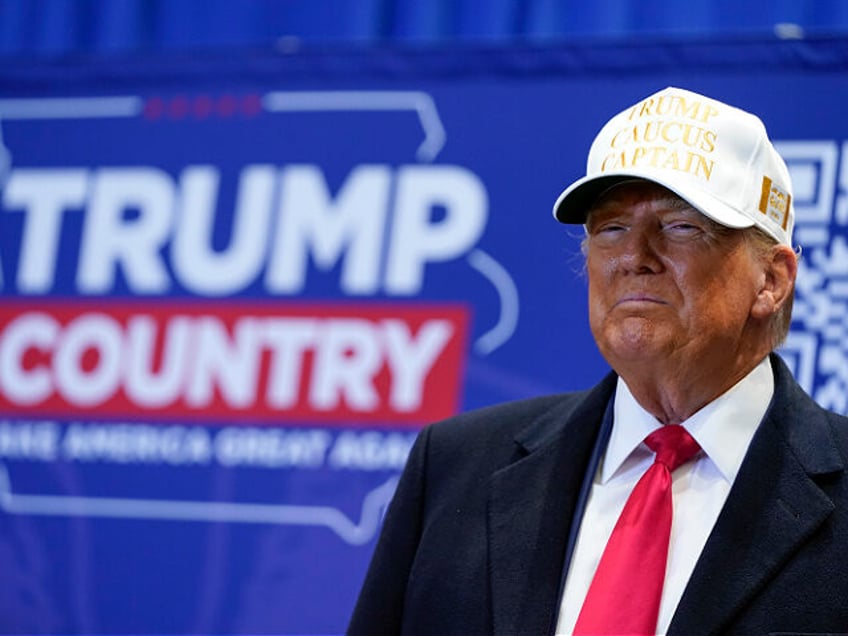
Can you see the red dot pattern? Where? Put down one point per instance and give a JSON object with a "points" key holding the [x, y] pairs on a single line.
{"points": [[177, 107]]}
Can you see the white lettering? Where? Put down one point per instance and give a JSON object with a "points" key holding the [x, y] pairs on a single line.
{"points": [[27, 384], [191, 363], [137, 443], [146, 387], [411, 359], [416, 239], [89, 334], [271, 448], [345, 366], [289, 342], [196, 263], [230, 364], [44, 196], [111, 239], [371, 450], [143, 230], [29, 440], [309, 218]]}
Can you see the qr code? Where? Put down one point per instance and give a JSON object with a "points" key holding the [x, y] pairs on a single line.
{"points": [[817, 346]]}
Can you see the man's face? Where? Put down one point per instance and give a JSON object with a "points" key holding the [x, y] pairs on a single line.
{"points": [[666, 283]]}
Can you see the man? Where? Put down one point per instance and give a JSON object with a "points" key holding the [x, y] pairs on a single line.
{"points": [[506, 520]]}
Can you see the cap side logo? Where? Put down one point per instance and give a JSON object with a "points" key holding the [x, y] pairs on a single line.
{"points": [[774, 202]]}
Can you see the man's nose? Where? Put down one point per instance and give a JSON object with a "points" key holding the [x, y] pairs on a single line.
{"points": [[640, 252]]}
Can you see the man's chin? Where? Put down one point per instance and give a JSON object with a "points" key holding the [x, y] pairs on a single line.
{"points": [[636, 347]]}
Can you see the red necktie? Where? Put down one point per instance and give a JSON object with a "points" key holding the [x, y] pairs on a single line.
{"points": [[624, 597]]}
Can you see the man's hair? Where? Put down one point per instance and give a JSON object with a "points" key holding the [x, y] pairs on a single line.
{"points": [[762, 245]]}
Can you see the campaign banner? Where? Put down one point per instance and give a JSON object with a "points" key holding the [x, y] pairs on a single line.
{"points": [[233, 289]]}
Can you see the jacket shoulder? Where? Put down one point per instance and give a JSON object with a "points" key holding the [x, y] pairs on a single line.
{"points": [[508, 418]]}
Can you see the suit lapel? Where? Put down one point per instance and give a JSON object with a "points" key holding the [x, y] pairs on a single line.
{"points": [[531, 506], [773, 506]]}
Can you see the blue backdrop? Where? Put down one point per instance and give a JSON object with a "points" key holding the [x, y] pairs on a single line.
{"points": [[62, 27], [234, 287]]}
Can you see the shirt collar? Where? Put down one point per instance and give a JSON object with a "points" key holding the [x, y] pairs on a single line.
{"points": [[723, 428]]}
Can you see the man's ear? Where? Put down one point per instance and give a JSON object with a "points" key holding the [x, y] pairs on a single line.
{"points": [[781, 267]]}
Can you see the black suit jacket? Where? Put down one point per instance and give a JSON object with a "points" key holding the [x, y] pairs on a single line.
{"points": [[475, 539]]}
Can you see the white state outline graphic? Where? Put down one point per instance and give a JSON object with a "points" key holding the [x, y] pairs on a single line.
{"points": [[349, 531], [171, 510], [71, 107], [507, 290], [421, 103], [5, 164]]}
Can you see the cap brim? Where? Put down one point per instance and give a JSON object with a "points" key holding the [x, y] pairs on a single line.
{"points": [[574, 203]]}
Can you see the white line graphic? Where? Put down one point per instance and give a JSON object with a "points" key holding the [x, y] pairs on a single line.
{"points": [[5, 164], [71, 107], [421, 103], [508, 294], [171, 510]]}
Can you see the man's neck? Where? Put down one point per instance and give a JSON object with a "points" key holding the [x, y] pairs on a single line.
{"points": [[672, 394]]}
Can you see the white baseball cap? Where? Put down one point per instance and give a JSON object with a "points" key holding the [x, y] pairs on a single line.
{"points": [[716, 157]]}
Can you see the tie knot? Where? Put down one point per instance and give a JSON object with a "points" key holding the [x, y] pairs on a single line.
{"points": [[673, 445]]}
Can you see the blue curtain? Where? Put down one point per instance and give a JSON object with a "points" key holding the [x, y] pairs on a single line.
{"points": [[70, 27]]}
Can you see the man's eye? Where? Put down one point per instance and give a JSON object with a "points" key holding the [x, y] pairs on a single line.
{"points": [[682, 228], [608, 228]]}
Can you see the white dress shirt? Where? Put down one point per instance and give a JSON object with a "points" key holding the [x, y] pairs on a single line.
{"points": [[723, 428]]}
